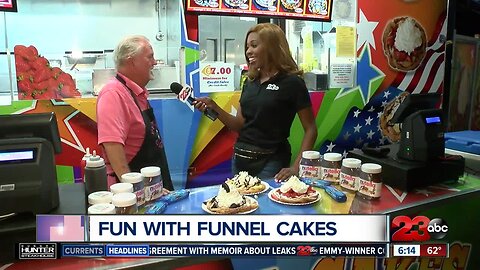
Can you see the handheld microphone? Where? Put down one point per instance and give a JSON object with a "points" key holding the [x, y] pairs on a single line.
{"points": [[184, 94]]}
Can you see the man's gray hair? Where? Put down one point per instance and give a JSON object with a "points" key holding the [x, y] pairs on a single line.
{"points": [[128, 47]]}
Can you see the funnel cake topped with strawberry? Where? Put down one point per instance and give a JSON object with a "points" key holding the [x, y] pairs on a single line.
{"points": [[404, 43], [295, 191]]}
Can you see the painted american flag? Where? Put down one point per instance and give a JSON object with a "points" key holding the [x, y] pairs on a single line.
{"points": [[361, 126], [428, 77]]}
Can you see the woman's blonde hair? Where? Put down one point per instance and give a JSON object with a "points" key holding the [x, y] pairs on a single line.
{"points": [[276, 50]]}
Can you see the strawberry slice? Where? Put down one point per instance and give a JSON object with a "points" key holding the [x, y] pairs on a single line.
{"points": [[21, 65], [33, 50], [400, 55], [68, 91], [25, 53], [40, 63], [41, 75]]}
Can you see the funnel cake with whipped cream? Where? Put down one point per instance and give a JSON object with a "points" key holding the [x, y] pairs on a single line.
{"points": [[404, 43], [230, 201], [295, 191], [247, 184]]}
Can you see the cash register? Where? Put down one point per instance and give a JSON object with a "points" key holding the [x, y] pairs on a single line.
{"points": [[28, 179], [419, 158]]}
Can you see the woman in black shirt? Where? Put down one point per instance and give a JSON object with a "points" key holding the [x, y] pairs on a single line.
{"points": [[271, 96]]}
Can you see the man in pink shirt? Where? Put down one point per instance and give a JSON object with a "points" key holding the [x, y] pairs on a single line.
{"points": [[127, 129]]}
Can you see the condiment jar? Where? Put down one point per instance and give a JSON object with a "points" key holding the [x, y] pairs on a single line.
{"points": [[125, 203], [121, 188], [310, 166], [101, 209], [153, 182], [136, 179], [370, 181], [100, 197], [349, 174], [95, 174], [331, 165]]}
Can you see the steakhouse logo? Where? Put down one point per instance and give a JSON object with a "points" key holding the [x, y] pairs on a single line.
{"points": [[37, 251]]}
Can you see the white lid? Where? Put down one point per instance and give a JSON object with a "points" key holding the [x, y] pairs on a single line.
{"points": [[351, 162], [311, 154], [124, 199], [87, 154], [121, 188], [132, 177], [151, 171], [371, 168], [101, 208], [100, 197], [95, 161], [332, 157]]}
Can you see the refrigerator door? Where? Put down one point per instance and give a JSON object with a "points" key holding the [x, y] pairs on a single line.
{"points": [[233, 32], [209, 37], [222, 37]]}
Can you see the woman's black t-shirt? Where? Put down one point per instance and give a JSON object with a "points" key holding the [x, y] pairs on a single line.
{"points": [[269, 109]]}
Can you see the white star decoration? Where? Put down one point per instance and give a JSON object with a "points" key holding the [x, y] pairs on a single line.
{"points": [[370, 134], [357, 128], [371, 109], [368, 121], [384, 103], [330, 147], [356, 113], [345, 153], [365, 31], [382, 140], [346, 136], [379, 114], [386, 94]]}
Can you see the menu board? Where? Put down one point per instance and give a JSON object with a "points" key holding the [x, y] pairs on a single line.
{"points": [[8, 5], [304, 9]]}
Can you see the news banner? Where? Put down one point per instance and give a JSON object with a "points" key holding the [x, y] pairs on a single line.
{"points": [[60, 236]]}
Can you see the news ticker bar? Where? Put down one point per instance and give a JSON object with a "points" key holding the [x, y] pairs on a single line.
{"points": [[420, 250], [60, 250]]}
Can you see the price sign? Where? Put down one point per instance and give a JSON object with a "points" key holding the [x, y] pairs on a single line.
{"points": [[216, 77]]}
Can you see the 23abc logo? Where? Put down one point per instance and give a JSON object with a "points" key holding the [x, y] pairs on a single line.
{"points": [[306, 250], [420, 228]]}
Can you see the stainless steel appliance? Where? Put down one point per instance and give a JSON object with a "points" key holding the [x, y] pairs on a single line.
{"points": [[222, 39]]}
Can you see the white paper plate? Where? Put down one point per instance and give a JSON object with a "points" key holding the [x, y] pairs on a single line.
{"points": [[287, 203], [267, 186], [250, 199]]}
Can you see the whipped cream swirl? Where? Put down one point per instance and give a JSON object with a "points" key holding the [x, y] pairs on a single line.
{"points": [[295, 184], [408, 36]]}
